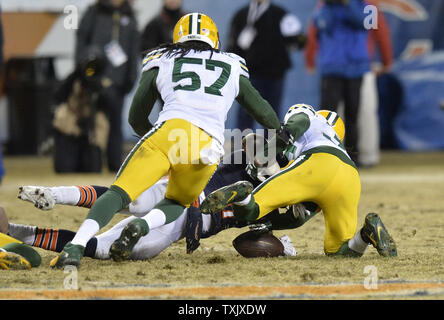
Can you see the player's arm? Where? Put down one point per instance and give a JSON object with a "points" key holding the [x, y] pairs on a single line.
{"points": [[289, 132], [143, 102], [250, 99]]}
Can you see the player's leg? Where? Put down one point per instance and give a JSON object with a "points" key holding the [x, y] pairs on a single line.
{"points": [[190, 172], [45, 198], [300, 181], [48, 238], [133, 178], [148, 199], [340, 207], [150, 245], [15, 254]]}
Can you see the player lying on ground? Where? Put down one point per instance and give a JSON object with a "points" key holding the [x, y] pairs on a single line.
{"points": [[198, 84], [14, 254], [190, 224], [321, 171]]}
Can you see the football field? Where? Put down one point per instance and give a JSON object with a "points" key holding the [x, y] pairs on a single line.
{"points": [[406, 190]]}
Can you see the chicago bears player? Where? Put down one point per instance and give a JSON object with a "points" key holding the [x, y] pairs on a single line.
{"points": [[197, 84], [320, 171]]}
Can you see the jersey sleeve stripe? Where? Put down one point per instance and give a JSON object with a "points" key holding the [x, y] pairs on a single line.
{"points": [[151, 58], [243, 66]]}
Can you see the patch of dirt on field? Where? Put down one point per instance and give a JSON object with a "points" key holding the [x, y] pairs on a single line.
{"points": [[406, 189]]}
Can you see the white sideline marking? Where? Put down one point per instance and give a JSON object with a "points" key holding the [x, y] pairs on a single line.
{"points": [[401, 177]]}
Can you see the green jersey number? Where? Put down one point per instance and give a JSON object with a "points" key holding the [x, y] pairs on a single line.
{"points": [[335, 140], [196, 83]]}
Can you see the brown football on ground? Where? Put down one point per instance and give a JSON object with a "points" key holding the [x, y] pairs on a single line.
{"points": [[252, 245]]}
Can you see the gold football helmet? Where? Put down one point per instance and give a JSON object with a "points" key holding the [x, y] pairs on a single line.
{"points": [[335, 121], [196, 27]]}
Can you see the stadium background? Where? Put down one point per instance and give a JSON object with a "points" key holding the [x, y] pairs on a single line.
{"points": [[411, 96]]}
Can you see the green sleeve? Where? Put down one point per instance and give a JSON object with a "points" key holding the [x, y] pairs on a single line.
{"points": [[250, 99], [298, 124], [143, 102]]}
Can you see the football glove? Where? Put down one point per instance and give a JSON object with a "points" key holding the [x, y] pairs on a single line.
{"points": [[260, 228], [284, 135], [11, 260]]}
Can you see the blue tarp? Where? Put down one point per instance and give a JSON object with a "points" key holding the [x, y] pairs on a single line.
{"points": [[419, 124]]}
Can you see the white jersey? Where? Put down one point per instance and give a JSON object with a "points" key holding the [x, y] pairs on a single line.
{"points": [[318, 134], [199, 87]]}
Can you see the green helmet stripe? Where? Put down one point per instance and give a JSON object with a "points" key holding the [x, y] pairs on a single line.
{"points": [[198, 23], [190, 25]]}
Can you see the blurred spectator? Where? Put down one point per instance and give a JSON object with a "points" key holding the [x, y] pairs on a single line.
{"points": [[368, 122], [262, 33], [2, 169], [160, 29], [111, 25], [368, 119], [81, 128], [338, 26]]}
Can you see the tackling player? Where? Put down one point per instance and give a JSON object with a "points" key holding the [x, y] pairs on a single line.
{"points": [[190, 224], [198, 84], [320, 171]]}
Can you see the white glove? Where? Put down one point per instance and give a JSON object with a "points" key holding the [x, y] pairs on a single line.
{"points": [[289, 250]]}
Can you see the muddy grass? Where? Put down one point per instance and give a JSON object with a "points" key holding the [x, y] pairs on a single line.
{"points": [[407, 190]]}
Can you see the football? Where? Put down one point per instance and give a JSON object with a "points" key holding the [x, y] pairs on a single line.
{"points": [[252, 245]]}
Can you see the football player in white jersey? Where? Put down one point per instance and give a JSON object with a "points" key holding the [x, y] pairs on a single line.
{"points": [[197, 84], [319, 171]]}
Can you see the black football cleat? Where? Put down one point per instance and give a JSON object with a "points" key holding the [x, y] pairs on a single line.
{"points": [[122, 248], [225, 196]]}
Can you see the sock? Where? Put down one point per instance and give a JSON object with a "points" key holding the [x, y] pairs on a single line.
{"points": [[112, 201], [244, 202], [101, 213], [87, 230], [246, 211], [357, 243], [22, 232], [88, 196], [82, 196], [155, 218], [65, 195]]}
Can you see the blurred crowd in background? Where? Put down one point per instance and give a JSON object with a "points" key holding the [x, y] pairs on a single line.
{"points": [[86, 112]]}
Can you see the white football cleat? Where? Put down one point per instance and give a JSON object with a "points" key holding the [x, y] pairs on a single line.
{"points": [[289, 250], [41, 197]]}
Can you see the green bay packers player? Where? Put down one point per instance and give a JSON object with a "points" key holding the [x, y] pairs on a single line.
{"points": [[197, 84], [319, 171]]}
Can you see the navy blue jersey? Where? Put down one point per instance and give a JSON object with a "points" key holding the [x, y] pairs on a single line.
{"points": [[228, 172]]}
